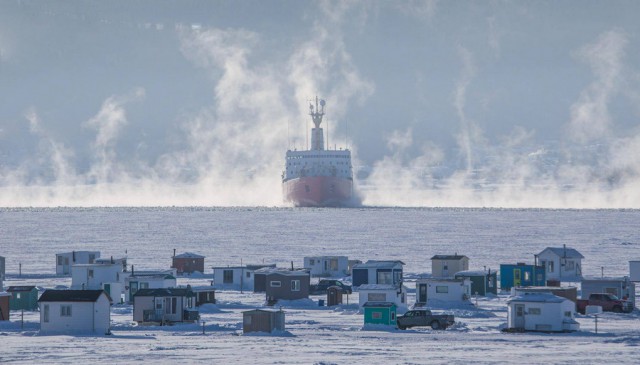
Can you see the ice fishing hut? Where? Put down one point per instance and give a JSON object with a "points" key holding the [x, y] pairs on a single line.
{"points": [[188, 263], [562, 264], [378, 293], [65, 260], [568, 292], [327, 266], [165, 305], [204, 295], [148, 280], [378, 272], [443, 291], [380, 313], [238, 278], [75, 312], [634, 271], [104, 274], [541, 312], [521, 274], [24, 297], [445, 266], [262, 320], [287, 285], [482, 282], [334, 295]]}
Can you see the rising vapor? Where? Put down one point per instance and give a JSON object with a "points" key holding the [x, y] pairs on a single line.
{"points": [[228, 150], [232, 150], [518, 174]]}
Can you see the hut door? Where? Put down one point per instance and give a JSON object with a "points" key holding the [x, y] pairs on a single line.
{"points": [[422, 293], [519, 320], [517, 279], [159, 303], [133, 288]]}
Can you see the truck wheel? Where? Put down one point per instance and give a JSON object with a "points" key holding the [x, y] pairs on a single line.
{"points": [[402, 327], [435, 325], [617, 309]]}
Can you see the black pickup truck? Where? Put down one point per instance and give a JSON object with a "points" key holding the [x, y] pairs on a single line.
{"points": [[424, 317], [321, 287]]}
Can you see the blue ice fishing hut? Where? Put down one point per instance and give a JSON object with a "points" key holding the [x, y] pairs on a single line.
{"points": [[521, 274]]}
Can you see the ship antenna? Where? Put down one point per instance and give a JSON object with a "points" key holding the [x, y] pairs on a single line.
{"points": [[346, 134], [310, 113]]}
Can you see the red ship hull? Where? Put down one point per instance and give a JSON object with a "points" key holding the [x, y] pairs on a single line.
{"points": [[318, 191]]}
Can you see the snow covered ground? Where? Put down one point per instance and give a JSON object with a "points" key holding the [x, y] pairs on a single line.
{"points": [[317, 335]]}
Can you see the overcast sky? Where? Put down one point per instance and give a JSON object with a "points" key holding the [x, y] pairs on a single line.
{"points": [[444, 103]]}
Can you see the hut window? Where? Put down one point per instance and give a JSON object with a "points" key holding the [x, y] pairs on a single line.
{"points": [[18, 295], [397, 277], [393, 316], [334, 264], [247, 320], [490, 282], [60, 260], [90, 273], [376, 297], [248, 274], [275, 284], [550, 266], [65, 311], [527, 276], [570, 265], [442, 289], [295, 285], [567, 314], [384, 277], [227, 277], [534, 311]]}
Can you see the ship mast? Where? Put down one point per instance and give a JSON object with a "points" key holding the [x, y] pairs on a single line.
{"points": [[317, 135]]}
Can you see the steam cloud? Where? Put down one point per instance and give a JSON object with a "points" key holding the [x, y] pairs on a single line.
{"points": [[516, 175], [232, 150]]}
